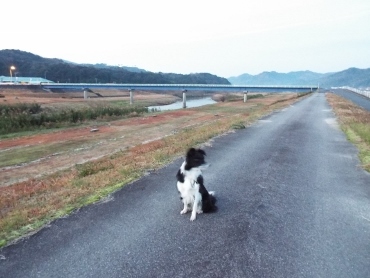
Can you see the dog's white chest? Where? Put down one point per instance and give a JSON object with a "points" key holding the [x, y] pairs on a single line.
{"points": [[190, 180], [188, 186]]}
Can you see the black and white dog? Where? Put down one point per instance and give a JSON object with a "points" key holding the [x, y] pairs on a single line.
{"points": [[190, 184]]}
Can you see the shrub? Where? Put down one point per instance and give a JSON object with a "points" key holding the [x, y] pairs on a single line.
{"points": [[24, 117]]}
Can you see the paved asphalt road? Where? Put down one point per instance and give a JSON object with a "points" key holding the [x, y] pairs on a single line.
{"points": [[293, 202]]}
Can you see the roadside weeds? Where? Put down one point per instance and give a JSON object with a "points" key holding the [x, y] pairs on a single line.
{"points": [[355, 123]]}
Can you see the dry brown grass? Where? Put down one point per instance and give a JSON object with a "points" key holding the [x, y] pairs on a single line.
{"points": [[27, 206], [355, 123]]}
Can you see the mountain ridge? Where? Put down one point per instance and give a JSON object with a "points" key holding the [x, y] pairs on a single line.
{"points": [[354, 77], [58, 70], [30, 65]]}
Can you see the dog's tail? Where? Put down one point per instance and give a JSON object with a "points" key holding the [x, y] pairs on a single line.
{"points": [[209, 204], [204, 166]]}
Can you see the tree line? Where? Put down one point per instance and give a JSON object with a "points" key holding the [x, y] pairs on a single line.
{"points": [[57, 70]]}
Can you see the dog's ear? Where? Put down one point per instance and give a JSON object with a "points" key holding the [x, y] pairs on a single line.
{"points": [[191, 152], [201, 151]]}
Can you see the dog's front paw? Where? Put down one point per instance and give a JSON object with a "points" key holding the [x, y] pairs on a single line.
{"points": [[183, 211], [193, 215]]}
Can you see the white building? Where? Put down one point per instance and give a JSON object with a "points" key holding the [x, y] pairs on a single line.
{"points": [[23, 80]]}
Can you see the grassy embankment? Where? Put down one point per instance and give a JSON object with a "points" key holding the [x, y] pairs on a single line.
{"points": [[27, 206], [355, 123], [27, 117]]}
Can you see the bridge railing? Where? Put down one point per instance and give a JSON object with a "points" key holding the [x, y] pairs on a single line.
{"points": [[201, 87]]}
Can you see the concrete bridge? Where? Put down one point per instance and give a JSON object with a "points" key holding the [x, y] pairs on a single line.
{"points": [[86, 87], [176, 87]]}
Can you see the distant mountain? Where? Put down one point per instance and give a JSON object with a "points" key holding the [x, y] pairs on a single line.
{"points": [[104, 66], [353, 77], [57, 70], [275, 78]]}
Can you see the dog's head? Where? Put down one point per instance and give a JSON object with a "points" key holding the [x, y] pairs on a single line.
{"points": [[195, 158]]}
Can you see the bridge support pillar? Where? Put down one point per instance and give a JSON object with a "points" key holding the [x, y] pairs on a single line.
{"points": [[184, 99], [131, 97], [245, 96], [85, 94]]}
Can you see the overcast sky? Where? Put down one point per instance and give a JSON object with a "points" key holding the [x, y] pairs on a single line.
{"points": [[226, 38]]}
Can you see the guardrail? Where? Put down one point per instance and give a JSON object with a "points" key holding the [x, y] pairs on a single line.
{"points": [[187, 87], [357, 91]]}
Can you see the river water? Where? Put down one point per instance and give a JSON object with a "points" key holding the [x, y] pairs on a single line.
{"points": [[190, 102]]}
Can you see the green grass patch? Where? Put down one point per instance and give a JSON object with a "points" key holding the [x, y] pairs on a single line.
{"points": [[26, 154], [239, 125], [25, 117], [91, 168], [27, 133], [355, 123], [362, 130], [359, 135], [254, 96]]}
